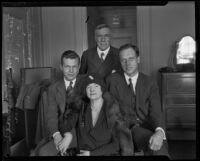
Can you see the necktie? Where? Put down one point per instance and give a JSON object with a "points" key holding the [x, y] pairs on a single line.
{"points": [[68, 93], [102, 54], [131, 86], [69, 88]]}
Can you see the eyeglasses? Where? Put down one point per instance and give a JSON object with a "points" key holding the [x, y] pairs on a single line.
{"points": [[133, 59]]}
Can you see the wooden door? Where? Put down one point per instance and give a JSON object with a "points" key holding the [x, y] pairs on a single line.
{"points": [[121, 19], [93, 19]]}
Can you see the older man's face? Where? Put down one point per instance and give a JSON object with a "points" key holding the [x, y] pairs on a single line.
{"points": [[102, 37]]}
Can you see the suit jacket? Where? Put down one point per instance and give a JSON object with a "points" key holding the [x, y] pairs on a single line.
{"points": [[91, 63], [148, 106], [108, 136], [57, 100]]}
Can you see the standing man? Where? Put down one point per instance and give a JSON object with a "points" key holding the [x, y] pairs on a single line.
{"points": [[102, 59], [59, 96], [138, 96]]}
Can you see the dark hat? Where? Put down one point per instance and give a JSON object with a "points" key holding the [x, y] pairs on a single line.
{"points": [[94, 78]]}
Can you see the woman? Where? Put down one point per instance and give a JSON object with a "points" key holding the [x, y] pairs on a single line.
{"points": [[98, 123]]}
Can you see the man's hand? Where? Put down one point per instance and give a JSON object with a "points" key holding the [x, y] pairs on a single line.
{"points": [[64, 143], [57, 138], [156, 140], [84, 153]]}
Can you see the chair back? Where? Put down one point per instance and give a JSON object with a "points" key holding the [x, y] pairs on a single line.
{"points": [[28, 76]]}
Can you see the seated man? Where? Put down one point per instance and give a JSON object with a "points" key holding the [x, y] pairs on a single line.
{"points": [[59, 96], [139, 100]]}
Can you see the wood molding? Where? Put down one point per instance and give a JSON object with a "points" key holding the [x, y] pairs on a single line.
{"points": [[144, 37]]}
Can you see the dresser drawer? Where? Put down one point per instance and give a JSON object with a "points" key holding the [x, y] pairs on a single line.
{"points": [[180, 99], [181, 116], [179, 104], [180, 85]]}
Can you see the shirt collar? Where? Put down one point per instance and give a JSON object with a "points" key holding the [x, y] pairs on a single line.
{"points": [[105, 51], [134, 78], [68, 82]]}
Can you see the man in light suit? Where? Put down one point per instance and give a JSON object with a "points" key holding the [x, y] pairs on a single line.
{"points": [[59, 96], [138, 96], [102, 59]]}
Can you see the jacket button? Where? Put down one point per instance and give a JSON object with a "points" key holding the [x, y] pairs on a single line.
{"points": [[137, 119]]}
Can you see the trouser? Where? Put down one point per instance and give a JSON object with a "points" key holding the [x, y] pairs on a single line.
{"points": [[125, 142], [141, 138]]}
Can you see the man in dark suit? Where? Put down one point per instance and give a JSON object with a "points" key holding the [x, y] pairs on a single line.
{"points": [[59, 96], [102, 59], [138, 96]]}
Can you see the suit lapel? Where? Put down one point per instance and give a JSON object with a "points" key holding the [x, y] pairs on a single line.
{"points": [[93, 129], [109, 58], [124, 83], [139, 88], [95, 58], [77, 82], [99, 119]]}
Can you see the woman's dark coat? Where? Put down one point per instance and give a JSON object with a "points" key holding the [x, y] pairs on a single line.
{"points": [[98, 136]]}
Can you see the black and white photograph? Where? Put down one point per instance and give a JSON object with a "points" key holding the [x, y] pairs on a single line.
{"points": [[99, 79]]}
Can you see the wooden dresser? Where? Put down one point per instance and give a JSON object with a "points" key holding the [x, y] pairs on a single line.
{"points": [[179, 105]]}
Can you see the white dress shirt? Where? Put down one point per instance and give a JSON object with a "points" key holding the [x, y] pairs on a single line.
{"points": [[105, 52], [133, 79], [68, 82]]}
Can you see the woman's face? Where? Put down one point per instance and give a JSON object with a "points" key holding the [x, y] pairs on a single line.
{"points": [[94, 91]]}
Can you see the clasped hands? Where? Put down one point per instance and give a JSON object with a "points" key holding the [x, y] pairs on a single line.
{"points": [[62, 144]]}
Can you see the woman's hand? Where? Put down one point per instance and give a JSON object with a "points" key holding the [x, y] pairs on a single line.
{"points": [[64, 144], [84, 153]]}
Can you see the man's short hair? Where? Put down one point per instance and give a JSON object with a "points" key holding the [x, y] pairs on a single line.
{"points": [[127, 46], [70, 54], [98, 27]]}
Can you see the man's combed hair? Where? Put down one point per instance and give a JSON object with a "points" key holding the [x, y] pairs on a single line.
{"points": [[70, 54], [127, 46], [102, 26]]}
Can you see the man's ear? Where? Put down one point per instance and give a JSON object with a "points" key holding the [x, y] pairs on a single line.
{"points": [[138, 59]]}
